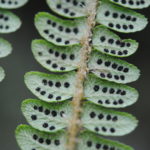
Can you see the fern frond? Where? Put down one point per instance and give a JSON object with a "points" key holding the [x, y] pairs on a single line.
{"points": [[30, 138], [75, 105], [9, 23]]}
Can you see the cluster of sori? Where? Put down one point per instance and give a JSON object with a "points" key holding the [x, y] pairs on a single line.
{"points": [[104, 88], [9, 22]]}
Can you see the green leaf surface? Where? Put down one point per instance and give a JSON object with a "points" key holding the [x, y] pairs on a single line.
{"points": [[112, 69], [51, 87], [29, 138], [48, 117], [90, 141], [59, 31], [5, 48], [55, 58], [9, 22], [12, 4], [70, 9], [107, 122], [109, 43], [119, 18], [109, 94], [2, 74], [138, 4]]}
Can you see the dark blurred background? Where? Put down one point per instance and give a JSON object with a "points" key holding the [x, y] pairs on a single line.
{"points": [[13, 90]]}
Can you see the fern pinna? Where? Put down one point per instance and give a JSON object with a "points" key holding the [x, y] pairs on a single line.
{"points": [[89, 78], [9, 23]]}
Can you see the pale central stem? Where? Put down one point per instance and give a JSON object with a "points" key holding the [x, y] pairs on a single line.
{"points": [[75, 123]]}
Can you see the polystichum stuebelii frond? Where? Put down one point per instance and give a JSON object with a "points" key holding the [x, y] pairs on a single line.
{"points": [[76, 100], [9, 23]]}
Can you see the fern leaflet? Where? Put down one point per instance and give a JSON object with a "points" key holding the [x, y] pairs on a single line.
{"points": [[74, 106], [9, 23]]}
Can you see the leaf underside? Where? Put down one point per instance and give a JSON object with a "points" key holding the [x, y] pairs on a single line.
{"points": [[108, 94], [47, 117], [119, 18], [69, 9], [30, 138], [51, 87], [12, 4], [55, 58], [60, 52], [9, 22], [109, 43], [107, 122], [112, 69], [59, 31], [89, 141], [139, 4], [52, 117]]}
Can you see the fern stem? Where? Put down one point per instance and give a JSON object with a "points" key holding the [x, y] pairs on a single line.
{"points": [[75, 123]]}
